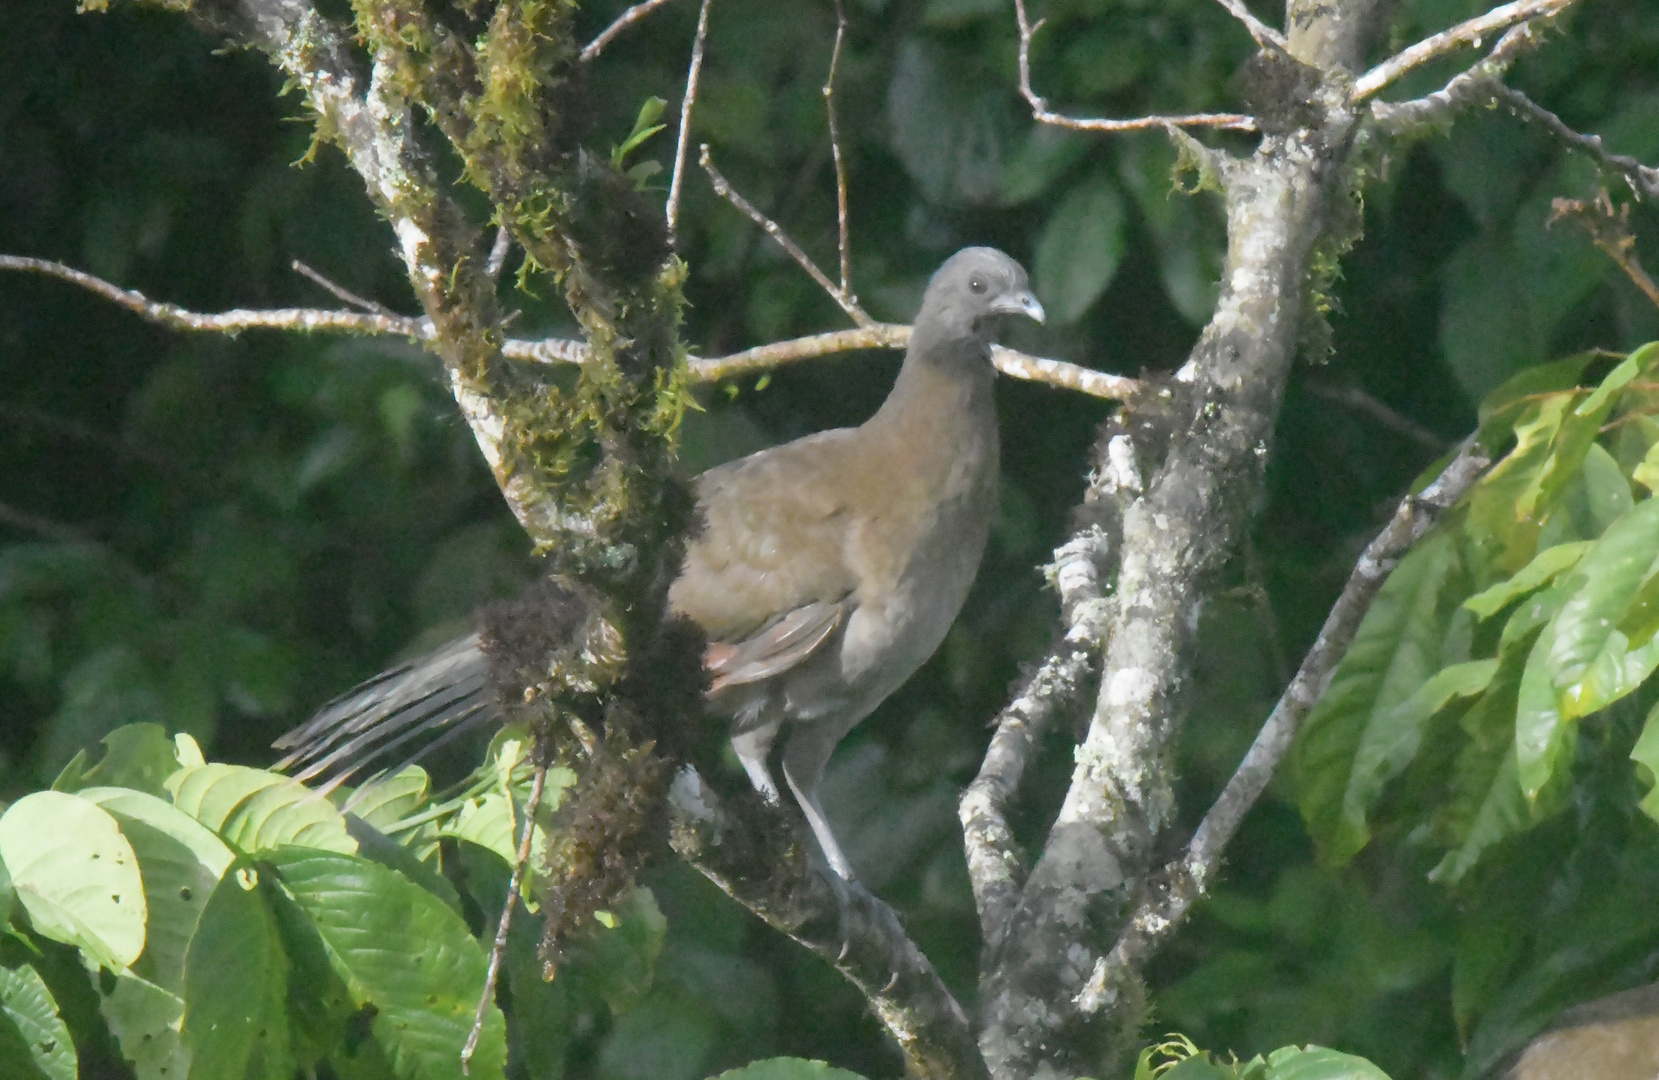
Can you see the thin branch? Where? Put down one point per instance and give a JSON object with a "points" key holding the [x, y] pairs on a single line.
{"points": [[1393, 420], [1480, 84], [1643, 180], [1043, 115], [226, 322], [340, 292], [1609, 230], [498, 253], [835, 151], [565, 351], [592, 49], [1180, 884], [499, 949], [723, 188], [767, 869], [1469, 33], [1265, 35], [686, 104]]}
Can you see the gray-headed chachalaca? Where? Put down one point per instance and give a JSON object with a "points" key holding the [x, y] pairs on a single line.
{"points": [[827, 571]]}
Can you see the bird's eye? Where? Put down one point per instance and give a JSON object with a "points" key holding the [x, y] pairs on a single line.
{"points": [[977, 284]]}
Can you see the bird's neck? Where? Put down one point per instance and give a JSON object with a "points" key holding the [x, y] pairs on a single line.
{"points": [[941, 404]]}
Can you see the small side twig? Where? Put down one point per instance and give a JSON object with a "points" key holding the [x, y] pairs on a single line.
{"points": [[1177, 886], [1643, 180], [723, 188], [592, 49], [1609, 230], [1044, 115], [686, 104], [340, 292], [1468, 33], [835, 152], [1480, 84], [1265, 35], [499, 949], [1392, 419]]}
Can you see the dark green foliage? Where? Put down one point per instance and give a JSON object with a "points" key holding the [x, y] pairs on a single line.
{"points": [[223, 534]]}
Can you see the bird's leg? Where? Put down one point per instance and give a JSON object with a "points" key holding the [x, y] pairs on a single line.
{"points": [[804, 759], [752, 748]]}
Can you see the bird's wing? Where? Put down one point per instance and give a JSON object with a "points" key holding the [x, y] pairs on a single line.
{"points": [[774, 540], [778, 646]]}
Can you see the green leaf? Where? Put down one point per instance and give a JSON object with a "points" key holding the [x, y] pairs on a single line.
{"points": [[31, 1015], [949, 123], [75, 875], [235, 988], [401, 950], [1543, 569], [255, 811], [1394, 653], [1043, 155], [1079, 249], [645, 126], [788, 1068], [1319, 1063], [1391, 742], [144, 1018], [386, 801], [138, 756], [180, 861], [1504, 811], [622, 957], [1646, 756]]}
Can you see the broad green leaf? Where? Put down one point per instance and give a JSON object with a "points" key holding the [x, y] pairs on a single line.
{"points": [[1543, 742], [386, 801], [401, 950], [75, 875], [1395, 651], [1504, 811], [32, 1014], [235, 988], [1319, 1063], [1391, 742], [622, 956], [949, 124], [1543, 569], [180, 861], [1588, 662], [1646, 756], [787, 1068], [144, 1018], [255, 811], [1044, 154], [138, 756], [1079, 249], [1506, 406], [1605, 492], [376, 845]]}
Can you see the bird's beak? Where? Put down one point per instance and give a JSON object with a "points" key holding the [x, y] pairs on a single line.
{"points": [[1018, 303]]}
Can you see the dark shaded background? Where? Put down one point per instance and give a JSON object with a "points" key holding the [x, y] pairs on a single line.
{"points": [[220, 534]]}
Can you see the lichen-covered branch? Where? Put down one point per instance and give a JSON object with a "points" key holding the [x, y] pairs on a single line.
{"points": [[1643, 179], [763, 864], [1466, 34], [1478, 85], [1175, 888]]}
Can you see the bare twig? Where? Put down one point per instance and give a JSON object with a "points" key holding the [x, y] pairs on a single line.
{"points": [[1477, 85], [498, 253], [225, 322], [499, 949], [1265, 35], [565, 351], [835, 152], [340, 292], [1181, 883], [1360, 401], [1609, 230], [1043, 115], [686, 104], [1643, 180], [628, 18], [723, 188], [1468, 33]]}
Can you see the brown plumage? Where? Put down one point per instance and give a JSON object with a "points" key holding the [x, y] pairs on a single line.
{"points": [[828, 569]]}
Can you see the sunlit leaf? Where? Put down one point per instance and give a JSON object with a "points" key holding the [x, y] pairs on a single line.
{"points": [[34, 1041], [75, 875], [235, 988], [785, 1068], [255, 811]]}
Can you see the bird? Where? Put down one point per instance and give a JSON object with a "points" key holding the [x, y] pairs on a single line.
{"points": [[826, 571]]}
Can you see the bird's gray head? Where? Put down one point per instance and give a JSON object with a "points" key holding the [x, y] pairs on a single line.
{"points": [[972, 291]]}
